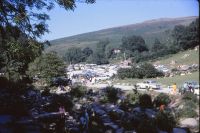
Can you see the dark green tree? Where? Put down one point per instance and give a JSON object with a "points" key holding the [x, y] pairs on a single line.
{"points": [[150, 71], [158, 46], [134, 43], [21, 23], [29, 15], [47, 67], [186, 37], [74, 55], [99, 56], [87, 51]]}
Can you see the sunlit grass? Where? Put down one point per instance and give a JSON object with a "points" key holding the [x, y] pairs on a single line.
{"points": [[178, 79]]}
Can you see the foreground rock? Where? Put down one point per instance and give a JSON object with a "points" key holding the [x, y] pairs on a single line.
{"points": [[189, 122]]}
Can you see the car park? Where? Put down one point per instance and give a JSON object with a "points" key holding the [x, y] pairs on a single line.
{"points": [[148, 84]]}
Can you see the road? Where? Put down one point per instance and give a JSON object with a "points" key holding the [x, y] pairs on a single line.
{"points": [[126, 87]]}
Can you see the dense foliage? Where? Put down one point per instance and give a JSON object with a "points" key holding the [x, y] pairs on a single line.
{"points": [[78, 91], [165, 121], [132, 44], [183, 38], [22, 22], [162, 99], [74, 55], [99, 56], [186, 37], [143, 71], [47, 67]]}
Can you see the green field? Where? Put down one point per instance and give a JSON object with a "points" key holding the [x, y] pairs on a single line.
{"points": [[179, 80]]}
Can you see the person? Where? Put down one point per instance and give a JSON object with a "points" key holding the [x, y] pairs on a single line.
{"points": [[162, 107], [191, 89], [135, 89], [62, 111], [84, 121], [174, 88], [60, 124], [62, 88]]}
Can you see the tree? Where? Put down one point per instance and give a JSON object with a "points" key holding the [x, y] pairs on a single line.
{"points": [[29, 15], [87, 51], [74, 55], [99, 56], [145, 70], [47, 67], [150, 71], [158, 46], [16, 56], [133, 44], [21, 23], [186, 37]]}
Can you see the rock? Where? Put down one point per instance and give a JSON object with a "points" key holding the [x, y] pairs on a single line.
{"points": [[77, 106], [189, 122], [179, 130]]}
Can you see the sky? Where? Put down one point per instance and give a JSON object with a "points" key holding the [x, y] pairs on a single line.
{"points": [[112, 13]]}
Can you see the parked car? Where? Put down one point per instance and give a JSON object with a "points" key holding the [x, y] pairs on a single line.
{"points": [[185, 87], [148, 84]]}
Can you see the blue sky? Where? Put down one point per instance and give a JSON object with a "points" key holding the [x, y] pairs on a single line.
{"points": [[111, 13]]}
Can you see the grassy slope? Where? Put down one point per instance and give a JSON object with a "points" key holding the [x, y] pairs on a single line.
{"points": [[165, 81], [187, 57], [149, 30], [192, 58]]}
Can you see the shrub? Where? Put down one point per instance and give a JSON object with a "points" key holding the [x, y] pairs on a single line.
{"points": [[112, 94], [190, 96], [190, 104], [57, 101], [162, 99], [78, 91], [186, 112], [104, 99], [165, 121], [132, 98]]}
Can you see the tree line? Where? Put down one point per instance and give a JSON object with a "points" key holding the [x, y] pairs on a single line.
{"points": [[134, 46]]}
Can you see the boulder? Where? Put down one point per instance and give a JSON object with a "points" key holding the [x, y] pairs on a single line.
{"points": [[189, 122]]}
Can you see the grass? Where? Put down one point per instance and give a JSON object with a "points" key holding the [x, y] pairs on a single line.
{"points": [[187, 58], [179, 80]]}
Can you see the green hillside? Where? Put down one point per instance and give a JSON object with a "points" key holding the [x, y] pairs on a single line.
{"points": [[149, 30], [182, 58]]}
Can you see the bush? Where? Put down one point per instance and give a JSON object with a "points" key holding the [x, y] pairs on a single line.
{"points": [[186, 112], [104, 99], [162, 99], [57, 101], [78, 91], [165, 121], [112, 94], [144, 71], [190, 104], [132, 98], [190, 96]]}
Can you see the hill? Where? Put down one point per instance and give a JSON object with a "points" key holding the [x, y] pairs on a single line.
{"points": [[188, 57], [149, 30]]}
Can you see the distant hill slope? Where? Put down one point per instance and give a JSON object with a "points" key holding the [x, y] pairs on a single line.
{"points": [[149, 30]]}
